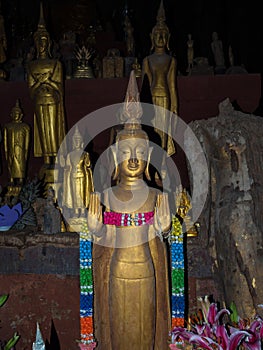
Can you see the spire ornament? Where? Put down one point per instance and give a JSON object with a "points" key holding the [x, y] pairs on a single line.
{"points": [[160, 26], [41, 27], [132, 109], [161, 14]]}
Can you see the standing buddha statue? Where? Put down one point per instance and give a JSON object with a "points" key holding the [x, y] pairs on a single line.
{"points": [[16, 145], [45, 81], [160, 68], [78, 182], [130, 270]]}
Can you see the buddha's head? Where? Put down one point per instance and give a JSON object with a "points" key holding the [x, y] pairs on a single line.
{"points": [[160, 35], [16, 113], [77, 140], [41, 36], [131, 151]]}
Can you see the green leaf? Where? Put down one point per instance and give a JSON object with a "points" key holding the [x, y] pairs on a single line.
{"points": [[3, 299], [234, 315], [12, 342]]}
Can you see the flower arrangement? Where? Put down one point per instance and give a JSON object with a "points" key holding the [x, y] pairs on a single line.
{"points": [[212, 329]]}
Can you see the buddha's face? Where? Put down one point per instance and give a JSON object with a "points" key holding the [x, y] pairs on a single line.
{"points": [[77, 142], [160, 38], [132, 156], [16, 115], [42, 43]]}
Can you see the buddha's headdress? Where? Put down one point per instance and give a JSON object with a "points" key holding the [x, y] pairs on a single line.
{"points": [[17, 108], [77, 135], [132, 112], [41, 28], [160, 20]]}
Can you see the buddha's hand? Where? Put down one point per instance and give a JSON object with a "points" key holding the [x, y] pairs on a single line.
{"points": [[43, 77], [95, 214], [162, 215]]}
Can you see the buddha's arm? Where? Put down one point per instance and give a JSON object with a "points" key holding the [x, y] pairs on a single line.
{"points": [[32, 83], [88, 170], [95, 224], [146, 70], [27, 140], [162, 216], [55, 78], [173, 86], [6, 144]]}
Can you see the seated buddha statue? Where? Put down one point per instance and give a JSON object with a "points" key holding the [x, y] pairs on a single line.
{"points": [[130, 273]]}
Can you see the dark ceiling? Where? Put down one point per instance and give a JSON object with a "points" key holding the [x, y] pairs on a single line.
{"points": [[237, 23]]}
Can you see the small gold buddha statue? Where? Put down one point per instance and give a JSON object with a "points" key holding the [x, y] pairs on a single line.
{"points": [[160, 67], [112, 64], [190, 54], [78, 182], [183, 208], [45, 82], [129, 39], [131, 294], [137, 68], [84, 70], [16, 145]]}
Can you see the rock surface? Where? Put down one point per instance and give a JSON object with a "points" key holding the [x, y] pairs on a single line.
{"points": [[232, 220]]}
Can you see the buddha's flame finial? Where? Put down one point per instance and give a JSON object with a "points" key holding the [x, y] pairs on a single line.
{"points": [[132, 110], [41, 27], [77, 134], [17, 107], [161, 14], [41, 23], [160, 21]]}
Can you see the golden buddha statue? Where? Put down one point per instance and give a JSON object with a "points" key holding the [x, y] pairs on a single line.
{"points": [[129, 39], [190, 54], [45, 81], [183, 208], [131, 296], [112, 64], [160, 68], [78, 181], [137, 68], [16, 145], [83, 55]]}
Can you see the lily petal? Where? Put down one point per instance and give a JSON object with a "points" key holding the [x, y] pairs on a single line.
{"points": [[212, 313], [221, 313], [236, 338], [200, 341], [222, 336]]}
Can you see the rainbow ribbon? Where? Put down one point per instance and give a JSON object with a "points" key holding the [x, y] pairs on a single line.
{"points": [[177, 271], [86, 287]]}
